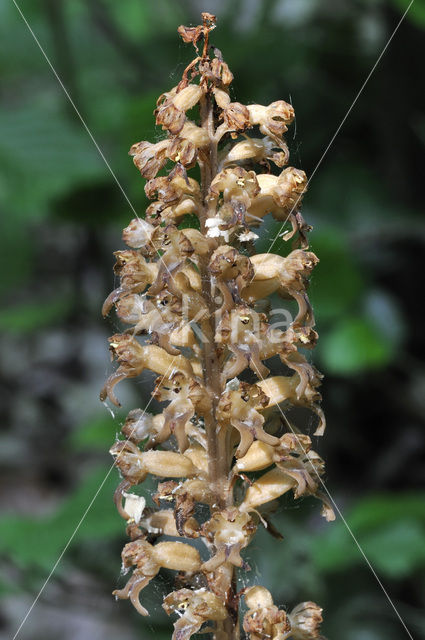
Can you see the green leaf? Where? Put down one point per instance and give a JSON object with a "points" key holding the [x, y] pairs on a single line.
{"points": [[29, 317], [31, 542], [42, 156], [135, 20], [382, 309], [416, 12], [384, 509], [336, 282], [102, 519], [16, 255], [354, 345], [97, 434], [140, 19], [397, 550], [389, 529]]}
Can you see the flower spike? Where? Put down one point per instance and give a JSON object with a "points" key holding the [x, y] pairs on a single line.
{"points": [[194, 299]]}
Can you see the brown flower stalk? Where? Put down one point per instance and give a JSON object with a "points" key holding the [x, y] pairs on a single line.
{"points": [[198, 295]]}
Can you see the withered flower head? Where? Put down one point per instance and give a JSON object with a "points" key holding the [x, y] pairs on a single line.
{"points": [[194, 608], [149, 158], [138, 234], [263, 620], [227, 264], [291, 186], [306, 619]]}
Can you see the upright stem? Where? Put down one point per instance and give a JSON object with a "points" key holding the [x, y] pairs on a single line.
{"points": [[218, 459], [210, 359]]}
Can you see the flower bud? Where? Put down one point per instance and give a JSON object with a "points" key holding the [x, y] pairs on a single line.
{"points": [[187, 97], [167, 464], [268, 487], [222, 97], [279, 388], [258, 598], [259, 456], [198, 457], [178, 556]]}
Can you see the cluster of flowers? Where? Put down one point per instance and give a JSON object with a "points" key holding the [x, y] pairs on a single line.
{"points": [[196, 294]]}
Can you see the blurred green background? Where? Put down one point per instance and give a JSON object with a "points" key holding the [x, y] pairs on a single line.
{"points": [[62, 214]]}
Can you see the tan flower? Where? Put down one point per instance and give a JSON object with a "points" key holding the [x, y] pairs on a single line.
{"points": [[306, 619], [263, 620], [194, 608], [148, 560]]}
